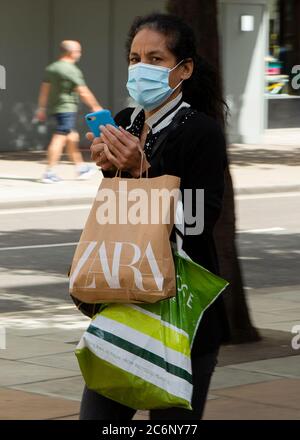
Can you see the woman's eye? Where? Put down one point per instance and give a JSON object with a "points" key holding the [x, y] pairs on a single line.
{"points": [[133, 60], [155, 59]]}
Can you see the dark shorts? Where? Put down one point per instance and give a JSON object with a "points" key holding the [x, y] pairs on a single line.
{"points": [[65, 122]]}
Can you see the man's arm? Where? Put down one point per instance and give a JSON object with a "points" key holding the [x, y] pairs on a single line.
{"points": [[88, 98], [43, 101]]}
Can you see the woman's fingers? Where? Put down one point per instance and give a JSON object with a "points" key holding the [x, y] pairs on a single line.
{"points": [[116, 132], [114, 145], [111, 133], [119, 148], [127, 134], [94, 153], [126, 137], [90, 137], [128, 141], [103, 163], [110, 157], [96, 150]]}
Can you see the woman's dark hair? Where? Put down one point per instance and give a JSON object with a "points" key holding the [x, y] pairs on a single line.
{"points": [[203, 90]]}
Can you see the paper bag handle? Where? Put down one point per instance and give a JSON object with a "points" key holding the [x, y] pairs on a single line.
{"points": [[119, 172]]}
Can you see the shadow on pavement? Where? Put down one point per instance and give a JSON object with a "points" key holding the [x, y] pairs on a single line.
{"points": [[274, 344], [267, 259], [246, 156]]}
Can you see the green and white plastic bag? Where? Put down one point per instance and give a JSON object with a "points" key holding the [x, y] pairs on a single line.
{"points": [[139, 355]]}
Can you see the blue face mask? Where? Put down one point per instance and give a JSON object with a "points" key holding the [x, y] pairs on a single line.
{"points": [[148, 85]]}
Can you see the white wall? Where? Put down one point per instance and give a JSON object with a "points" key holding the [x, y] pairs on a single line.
{"points": [[30, 32], [243, 68], [23, 51]]}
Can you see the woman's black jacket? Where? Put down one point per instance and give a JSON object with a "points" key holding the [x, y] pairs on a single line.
{"points": [[194, 149]]}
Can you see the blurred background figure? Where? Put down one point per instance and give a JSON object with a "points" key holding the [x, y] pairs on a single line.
{"points": [[61, 90]]}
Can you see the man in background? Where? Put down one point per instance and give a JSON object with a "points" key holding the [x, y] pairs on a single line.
{"points": [[61, 90]]}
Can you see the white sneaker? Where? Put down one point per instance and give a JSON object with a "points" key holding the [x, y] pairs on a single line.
{"points": [[86, 172], [50, 177]]}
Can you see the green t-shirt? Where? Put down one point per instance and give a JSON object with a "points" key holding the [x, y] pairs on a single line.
{"points": [[64, 77]]}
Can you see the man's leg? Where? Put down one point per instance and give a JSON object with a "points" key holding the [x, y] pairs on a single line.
{"points": [[55, 149], [84, 170], [69, 124], [72, 148]]}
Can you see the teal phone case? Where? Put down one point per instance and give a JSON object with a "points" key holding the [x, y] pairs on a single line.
{"points": [[102, 117]]}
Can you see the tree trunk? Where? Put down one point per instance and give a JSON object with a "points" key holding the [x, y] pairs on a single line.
{"points": [[202, 16]]}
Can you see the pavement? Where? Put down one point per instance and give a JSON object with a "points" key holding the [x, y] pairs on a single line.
{"points": [[39, 375], [273, 166]]}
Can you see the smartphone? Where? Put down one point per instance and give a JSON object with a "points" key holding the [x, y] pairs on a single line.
{"points": [[102, 117]]}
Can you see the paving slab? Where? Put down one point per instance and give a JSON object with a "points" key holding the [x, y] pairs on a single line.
{"points": [[267, 303], [19, 373], [295, 310], [275, 304], [288, 296], [75, 417], [20, 348], [225, 377], [27, 406], [285, 326], [21, 181], [269, 317], [47, 333], [284, 366], [282, 393], [67, 388], [274, 344], [292, 289], [66, 336], [66, 361], [236, 409], [141, 415], [44, 320]]}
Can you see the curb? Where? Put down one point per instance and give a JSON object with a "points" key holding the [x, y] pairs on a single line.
{"points": [[86, 200], [267, 189], [39, 203]]}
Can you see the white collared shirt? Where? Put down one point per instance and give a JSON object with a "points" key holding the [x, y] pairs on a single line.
{"points": [[159, 115]]}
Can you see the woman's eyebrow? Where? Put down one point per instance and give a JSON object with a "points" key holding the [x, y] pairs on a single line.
{"points": [[134, 54], [155, 52], [151, 53]]}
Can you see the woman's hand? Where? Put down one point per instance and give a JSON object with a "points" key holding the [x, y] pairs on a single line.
{"points": [[123, 150], [97, 152]]}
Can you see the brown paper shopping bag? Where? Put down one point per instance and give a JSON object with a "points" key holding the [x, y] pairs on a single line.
{"points": [[124, 253]]}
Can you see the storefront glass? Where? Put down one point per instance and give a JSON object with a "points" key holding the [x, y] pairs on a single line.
{"points": [[284, 47]]}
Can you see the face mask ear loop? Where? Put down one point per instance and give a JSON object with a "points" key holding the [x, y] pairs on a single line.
{"points": [[178, 64], [178, 85]]}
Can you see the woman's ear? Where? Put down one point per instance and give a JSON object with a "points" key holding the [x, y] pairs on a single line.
{"points": [[187, 69]]}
